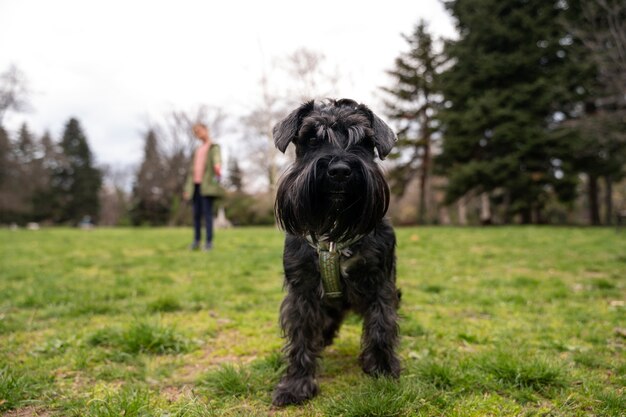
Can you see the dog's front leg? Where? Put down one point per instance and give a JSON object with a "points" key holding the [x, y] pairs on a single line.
{"points": [[380, 335], [301, 320]]}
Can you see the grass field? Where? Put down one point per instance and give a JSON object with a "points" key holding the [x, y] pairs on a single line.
{"points": [[496, 321]]}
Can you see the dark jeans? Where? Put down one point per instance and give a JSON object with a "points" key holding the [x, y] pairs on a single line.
{"points": [[202, 206]]}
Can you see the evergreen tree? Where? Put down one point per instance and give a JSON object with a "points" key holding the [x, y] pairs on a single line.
{"points": [[512, 82], [150, 200], [235, 175], [24, 156], [9, 175], [49, 152], [77, 181], [5, 156], [45, 164], [413, 104], [25, 149], [19, 175]]}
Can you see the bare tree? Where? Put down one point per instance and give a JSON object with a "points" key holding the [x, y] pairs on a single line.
{"points": [[259, 124], [176, 141], [602, 30], [176, 144], [176, 131], [114, 197], [14, 91], [304, 77], [311, 79]]}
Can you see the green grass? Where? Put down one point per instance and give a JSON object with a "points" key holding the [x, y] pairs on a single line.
{"points": [[16, 389], [497, 321], [140, 337]]}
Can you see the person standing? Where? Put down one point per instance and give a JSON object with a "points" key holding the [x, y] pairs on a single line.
{"points": [[203, 184]]}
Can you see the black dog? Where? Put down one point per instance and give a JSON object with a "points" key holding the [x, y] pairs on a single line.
{"points": [[339, 251]]}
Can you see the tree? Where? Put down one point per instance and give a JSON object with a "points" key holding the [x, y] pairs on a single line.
{"points": [[27, 166], [308, 77], [176, 144], [511, 82], [259, 123], [601, 28], [150, 200], [114, 198], [24, 158], [10, 205], [413, 104], [46, 162], [14, 91], [235, 175], [77, 181], [304, 79], [5, 156], [25, 149]]}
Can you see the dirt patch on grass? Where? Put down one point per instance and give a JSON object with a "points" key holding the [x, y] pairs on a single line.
{"points": [[215, 352], [28, 412], [174, 393]]}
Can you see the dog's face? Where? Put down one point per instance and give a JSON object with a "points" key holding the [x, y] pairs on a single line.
{"points": [[335, 187]]}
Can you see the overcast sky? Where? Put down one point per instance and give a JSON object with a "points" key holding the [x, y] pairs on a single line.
{"points": [[116, 64]]}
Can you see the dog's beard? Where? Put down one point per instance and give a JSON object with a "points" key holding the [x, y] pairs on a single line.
{"points": [[307, 203]]}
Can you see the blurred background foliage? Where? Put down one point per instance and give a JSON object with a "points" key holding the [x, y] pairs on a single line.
{"points": [[519, 119]]}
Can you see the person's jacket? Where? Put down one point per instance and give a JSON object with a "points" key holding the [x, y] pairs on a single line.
{"points": [[210, 185]]}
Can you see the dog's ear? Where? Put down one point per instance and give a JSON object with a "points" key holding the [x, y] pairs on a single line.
{"points": [[384, 137], [287, 129]]}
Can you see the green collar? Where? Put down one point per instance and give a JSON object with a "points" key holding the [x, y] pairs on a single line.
{"points": [[329, 260]]}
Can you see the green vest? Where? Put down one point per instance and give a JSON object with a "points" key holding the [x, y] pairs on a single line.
{"points": [[209, 185]]}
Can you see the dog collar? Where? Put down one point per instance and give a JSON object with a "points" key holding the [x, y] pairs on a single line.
{"points": [[329, 254]]}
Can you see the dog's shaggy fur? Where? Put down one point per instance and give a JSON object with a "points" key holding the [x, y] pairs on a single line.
{"points": [[335, 192]]}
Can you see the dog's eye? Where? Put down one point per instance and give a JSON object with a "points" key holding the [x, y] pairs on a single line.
{"points": [[312, 141]]}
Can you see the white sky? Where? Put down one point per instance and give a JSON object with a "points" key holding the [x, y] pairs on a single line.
{"points": [[115, 64]]}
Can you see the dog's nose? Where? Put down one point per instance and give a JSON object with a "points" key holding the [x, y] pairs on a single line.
{"points": [[339, 171]]}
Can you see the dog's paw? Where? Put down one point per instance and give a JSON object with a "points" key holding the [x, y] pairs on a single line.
{"points": [[294, 391]]}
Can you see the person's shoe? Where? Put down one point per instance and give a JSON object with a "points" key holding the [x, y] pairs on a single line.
{"points": [[207, 246], [194, 246]]}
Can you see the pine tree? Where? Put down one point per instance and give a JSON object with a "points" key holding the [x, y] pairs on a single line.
{"points": [[77, 181], [5, 156], [25, 149], [150, 200], [235, 175], [49, 152], [413, 104], [45, 164], [512, 82], [9, 205], [25, 158]]}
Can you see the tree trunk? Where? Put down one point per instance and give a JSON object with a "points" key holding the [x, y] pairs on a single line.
{"points": [[485, 209], [462, 210], [272, 171], [424, 175], [444, 215], [423, 207], [608, 200], [508, 218], [537, 215], [527, 215], [594, 209]]}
